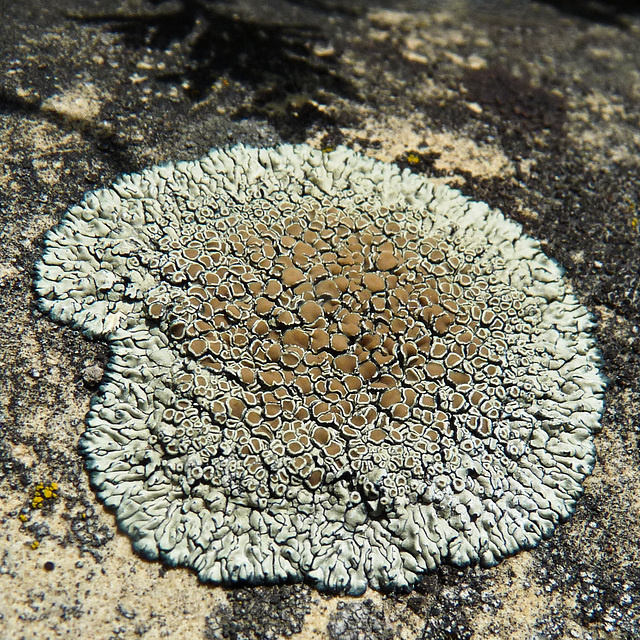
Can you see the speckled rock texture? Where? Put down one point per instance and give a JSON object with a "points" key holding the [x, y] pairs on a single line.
{"points": [[529, 107]]}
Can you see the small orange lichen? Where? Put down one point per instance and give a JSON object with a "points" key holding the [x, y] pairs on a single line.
{"points": [[43, 493]]}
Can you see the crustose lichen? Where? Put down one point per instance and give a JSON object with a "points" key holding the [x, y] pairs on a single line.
{"points": [[323, 369]]}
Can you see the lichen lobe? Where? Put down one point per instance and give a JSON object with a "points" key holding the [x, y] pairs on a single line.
{"points": [[323, 369]]}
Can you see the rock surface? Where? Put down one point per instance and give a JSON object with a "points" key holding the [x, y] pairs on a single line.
{"points": [[531, 108]]}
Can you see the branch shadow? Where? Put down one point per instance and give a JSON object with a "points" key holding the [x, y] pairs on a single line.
{"points": [[275, 59], [608, 12]]}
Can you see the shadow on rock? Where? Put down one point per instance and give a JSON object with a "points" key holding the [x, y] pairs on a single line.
{"points": [[612, 12], [278, 60]]}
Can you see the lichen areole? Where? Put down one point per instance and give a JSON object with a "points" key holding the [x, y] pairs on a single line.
{"points": [[323, 369]]}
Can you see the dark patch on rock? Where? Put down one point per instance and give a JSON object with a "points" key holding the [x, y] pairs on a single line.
{"points": [[291, 115], [420, 162], [274, 57], [446, 598], [447, 625], [620, 350], [86, 531], [360, 620], [518, 108], [13, 471], [590, 562], [613, 12], [260, 613], [331, 139], [623, 292]]}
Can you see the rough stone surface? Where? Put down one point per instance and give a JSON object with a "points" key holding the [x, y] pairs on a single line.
{"points": [[359, 620], [273, 613], [525, 106]]}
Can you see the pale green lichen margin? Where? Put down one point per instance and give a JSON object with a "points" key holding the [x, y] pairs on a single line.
{"points": [[96, 273]]}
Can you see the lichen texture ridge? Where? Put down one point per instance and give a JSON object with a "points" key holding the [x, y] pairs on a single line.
{"points": [[323, 368]]}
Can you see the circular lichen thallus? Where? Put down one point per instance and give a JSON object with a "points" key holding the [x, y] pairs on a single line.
{"points": [[323, 369]]}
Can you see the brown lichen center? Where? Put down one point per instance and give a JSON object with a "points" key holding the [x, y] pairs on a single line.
{"points": [[338, 330]]}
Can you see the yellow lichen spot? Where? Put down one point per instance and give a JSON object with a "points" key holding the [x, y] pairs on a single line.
{"points": [[23, 517], [412, 158], [35, 544], [42, 493]]}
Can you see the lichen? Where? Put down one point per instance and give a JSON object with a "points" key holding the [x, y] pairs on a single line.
{"points": [[44, 494], [323, 369]]}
